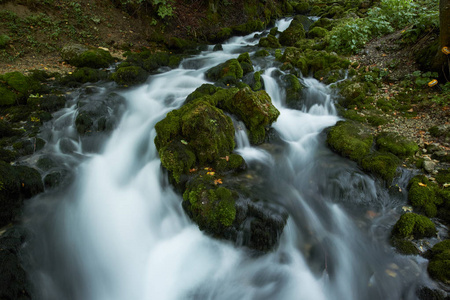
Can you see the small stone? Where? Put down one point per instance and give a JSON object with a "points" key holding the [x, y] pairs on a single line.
{"points": [[429, 166]]}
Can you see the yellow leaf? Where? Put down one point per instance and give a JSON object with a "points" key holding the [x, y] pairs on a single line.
{"points": [[422, 184], [391, 273], [210, 173]]}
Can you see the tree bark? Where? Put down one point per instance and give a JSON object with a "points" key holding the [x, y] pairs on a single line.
{"points": [[444, 36]]}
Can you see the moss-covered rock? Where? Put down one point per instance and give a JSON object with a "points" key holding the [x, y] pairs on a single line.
{"points": [[381, 164], [422, 195], [129, 75], [84, 75], [269, 42], [312, 62], [293, 91], [4, 40], [323, 23], [350, 139], [302, 8], [81, 56], [228, 72], [197, 132], [293, 33], [16, 185], [212, 208], [404, 246], [16, 87], [317, 32], [411, 225], [246, 63], [439, 266], [396, 144], [256, 110]]}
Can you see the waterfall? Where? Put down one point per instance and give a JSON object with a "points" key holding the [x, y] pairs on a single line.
{"points": [[119, 231]]}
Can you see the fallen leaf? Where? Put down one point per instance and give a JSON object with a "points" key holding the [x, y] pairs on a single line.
{"points": [[210, 173], [218, 181], [422, 184], [391, 273]]}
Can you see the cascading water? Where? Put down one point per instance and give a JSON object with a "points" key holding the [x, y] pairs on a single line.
{"points": [[119, 232]]}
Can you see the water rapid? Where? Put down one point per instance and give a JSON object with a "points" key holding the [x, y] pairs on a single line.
{"points": [[118, 232]]}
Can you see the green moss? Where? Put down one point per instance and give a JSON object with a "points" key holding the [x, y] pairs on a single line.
{"points": [[269, 42], [262, 53], [249, 27], [198, 128], [95, 58], [255, 109], [293, 91], [84, 75], [317, 32], [376, 121], [228, 72], [246, 63], [230, 162], [443, 176], [212, 208], [413, 225], [129, 75], [439, 266], [404, 246], [257, 83], [293, 33], [351, 114], [7, 97], [396, 144], [350, 139], [4, 40], [381, 164], [422, 195], [177, 159], [17, 81], [302, 7]]}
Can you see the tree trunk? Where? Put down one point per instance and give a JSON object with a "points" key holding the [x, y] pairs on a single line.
{"points": [[444, 36]]}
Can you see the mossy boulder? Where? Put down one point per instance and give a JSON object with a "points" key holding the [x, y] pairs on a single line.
{"points": [[383, 165], [319, 64], [246, 63], [323, 23], [411, 225], [16, 184], [211, 207], [228, 72], [294, 91], [269, 42], [198, 132], [404, 246], [317, 32], [129, 75], [293, 33], [85, 75], [439, 265], [81, 56], [151, 62], [422, 195], [396, 144], [16, 87], [256, 110], [302, 8], [350, 139], [248, 27]]}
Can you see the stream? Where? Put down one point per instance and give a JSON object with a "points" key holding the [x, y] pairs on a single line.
{"points": [[118, 230]]}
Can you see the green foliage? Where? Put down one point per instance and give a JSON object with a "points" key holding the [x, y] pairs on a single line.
{"points": [[162, 7], [351, 34]]}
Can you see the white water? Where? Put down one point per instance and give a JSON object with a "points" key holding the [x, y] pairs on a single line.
{"points": [[119, 231]]}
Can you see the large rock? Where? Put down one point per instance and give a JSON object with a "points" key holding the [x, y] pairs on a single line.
{"points": [[293, 33], [256, 110], [439, 266], [82, 56], [228, 72], [196, 133]]}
